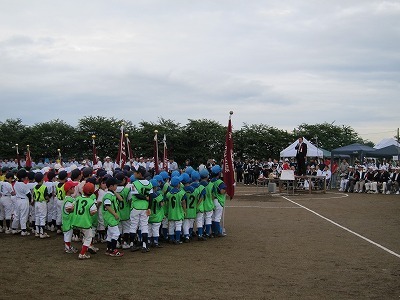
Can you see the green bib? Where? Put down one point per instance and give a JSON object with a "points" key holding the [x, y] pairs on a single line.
{"points": [[82, 218], [191, 204], [157, 211], [67, 216], [38, 193], [175, 209], [220, 197], [208, 201], [60, 192], [109, 219], [144, 188], [124, 206]]}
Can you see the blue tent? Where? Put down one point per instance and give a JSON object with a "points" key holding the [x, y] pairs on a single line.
{"points": [[355, 150]]}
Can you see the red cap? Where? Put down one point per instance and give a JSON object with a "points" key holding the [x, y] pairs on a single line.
{"points": [[88, 188], [69, 185]]}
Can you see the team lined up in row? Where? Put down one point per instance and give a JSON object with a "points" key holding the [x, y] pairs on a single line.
{"points": [[123, 210]]}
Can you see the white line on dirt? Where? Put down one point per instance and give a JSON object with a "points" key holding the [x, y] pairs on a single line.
{"points": [[254, 206], [345, 228]]}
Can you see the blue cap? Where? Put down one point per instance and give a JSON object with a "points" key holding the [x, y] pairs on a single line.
{"points": [[175, 181], [185, 178], [175, 173], [204, 173], [195, 176], [158, 178], [154, 182], [189, 170], [216, 169], [164, 175]]}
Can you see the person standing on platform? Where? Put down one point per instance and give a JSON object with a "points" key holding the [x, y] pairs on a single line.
{"points": [[301, 155]]}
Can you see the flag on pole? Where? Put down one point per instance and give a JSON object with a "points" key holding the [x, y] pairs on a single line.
{"points": [[94, 151], [121, 158], [18, 159], [156, 166], [28, 160], [165, 158], [129, 148], [228, 161]]}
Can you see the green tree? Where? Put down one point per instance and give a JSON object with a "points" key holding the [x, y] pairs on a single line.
{"points": [[260, 141], [203, 139], [329, 136], [46, 138], [12, 132]]}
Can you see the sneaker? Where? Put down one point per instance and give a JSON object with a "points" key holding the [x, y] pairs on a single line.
{"points": [[125, 245], [119, 246], [70, 250], [116, 253], [25, 233], [1, 228], [340, 190], [134, 248], [92, 250], [145, 249], [177, 242], [8, 231], [186, 240], [201, 238], [44, 236], [59, 231], [52, 228], [108, 252], [33, 231], [157, 246], [221, 235], [388, 193], [397, 192], [37, 234], [83, 256]]}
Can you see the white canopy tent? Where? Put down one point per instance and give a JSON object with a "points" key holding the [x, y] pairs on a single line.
{"points": [[386, 142], [312, 150]]}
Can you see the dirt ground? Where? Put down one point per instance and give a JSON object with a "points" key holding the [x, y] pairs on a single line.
{"points": [[275, 249]]}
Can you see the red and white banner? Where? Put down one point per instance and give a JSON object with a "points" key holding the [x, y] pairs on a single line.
{"points": [[165, 158], [228, 169], [121, 157], [156, 166]]}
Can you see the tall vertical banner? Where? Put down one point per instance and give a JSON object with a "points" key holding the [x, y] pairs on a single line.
{"points": [[129, 147], [121, 157], [229, 179], [94, 151], [18, 159], [156, 165], [28, 160], [165, 158]]}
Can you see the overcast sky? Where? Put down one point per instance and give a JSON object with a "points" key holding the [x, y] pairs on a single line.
{"points": [[280, 63]]}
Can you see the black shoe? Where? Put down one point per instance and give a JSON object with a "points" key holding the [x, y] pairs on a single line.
{"points": [[186, 240], [201, 238], [134, 248], [145, 250], [157, 246], [177, 242]]}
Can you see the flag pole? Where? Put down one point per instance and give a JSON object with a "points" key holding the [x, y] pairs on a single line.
{"points": [[156, 166], [228, 167], [94, 151], [18, 159]]}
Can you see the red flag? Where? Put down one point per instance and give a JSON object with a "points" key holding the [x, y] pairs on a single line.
{"points": [[94, 152], [165, 158], [156, 166], [228, 161], [121, 158], [28, 160]]}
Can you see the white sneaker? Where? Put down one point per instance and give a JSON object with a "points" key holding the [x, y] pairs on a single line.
{"points": [[360, 191], [340, 190], [397, 192], [388, 193], [1, 228], [37, 234], [44, 235], [33, 230], [83, 256], [59, 231], [8, 231], [52, 228], [125, 245], [25, 233], [119, 245]]}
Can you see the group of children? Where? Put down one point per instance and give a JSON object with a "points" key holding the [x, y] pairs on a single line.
{"points": [[126, 211]]}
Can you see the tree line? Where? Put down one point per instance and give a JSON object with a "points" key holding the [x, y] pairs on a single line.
{"points": [[198, 140]]}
